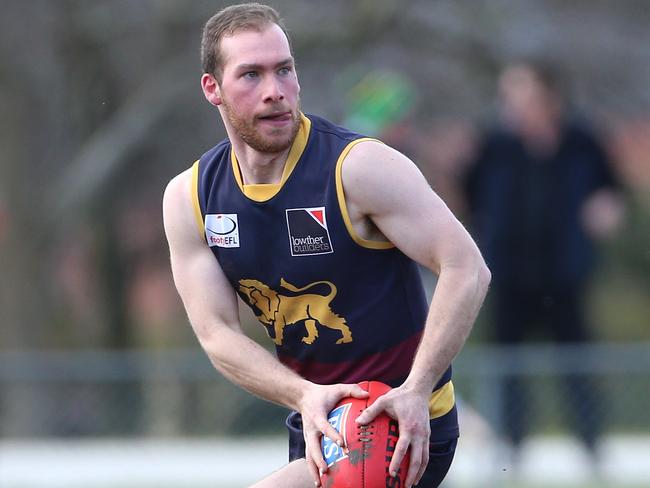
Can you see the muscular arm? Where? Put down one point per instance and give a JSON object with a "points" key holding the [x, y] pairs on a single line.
{"points": [[385, 188], [211, 305]]}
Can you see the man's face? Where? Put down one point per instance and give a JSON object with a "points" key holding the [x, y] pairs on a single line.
{"points": [[259, 89], [524, 97]]}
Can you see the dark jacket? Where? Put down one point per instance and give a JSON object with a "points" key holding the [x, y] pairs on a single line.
{"points": [[525, 210]]}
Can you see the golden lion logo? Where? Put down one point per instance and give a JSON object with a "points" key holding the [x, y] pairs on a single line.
{"points": [[279, 310]]}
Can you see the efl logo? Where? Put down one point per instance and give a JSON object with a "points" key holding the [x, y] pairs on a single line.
{"points": [[308, 233], [222, 230], [338, 418]]}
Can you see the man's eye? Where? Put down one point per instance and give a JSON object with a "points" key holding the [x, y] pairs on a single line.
{"points": [[285, 70], [250, 74]]}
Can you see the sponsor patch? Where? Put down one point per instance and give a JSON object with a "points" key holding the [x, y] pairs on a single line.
{"points": [[222, 230], [308, 233], [338, 418]]}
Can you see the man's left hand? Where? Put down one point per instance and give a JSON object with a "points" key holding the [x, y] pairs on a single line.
{"points": [[411, 410]]}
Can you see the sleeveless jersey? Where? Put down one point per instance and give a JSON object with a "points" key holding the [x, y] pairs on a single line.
{"points": [[339, 308]]}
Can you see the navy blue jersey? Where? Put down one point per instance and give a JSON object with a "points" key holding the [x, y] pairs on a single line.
{"points": [[339, 308]]}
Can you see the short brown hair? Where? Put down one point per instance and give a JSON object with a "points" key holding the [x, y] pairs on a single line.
{"points": [[545, 71], [247, 16]]}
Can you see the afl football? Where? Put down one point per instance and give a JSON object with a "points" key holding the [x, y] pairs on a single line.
{"points": [[370, 447]]}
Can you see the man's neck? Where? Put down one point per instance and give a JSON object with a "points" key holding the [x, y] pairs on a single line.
{"points": [[257, 167]]}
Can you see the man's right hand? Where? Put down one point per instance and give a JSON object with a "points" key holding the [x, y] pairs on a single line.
{"points": [[315, 404]]}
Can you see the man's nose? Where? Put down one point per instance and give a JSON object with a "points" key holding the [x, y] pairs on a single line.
{"points": [[273, 89]]}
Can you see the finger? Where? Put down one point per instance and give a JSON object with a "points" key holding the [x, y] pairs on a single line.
{"points": [[400, 451], [312, 437], [333, 434], [369, 414], [313, 471], [326, 429], [415, 464], [425, 463], [314, 451], [357, 392]]}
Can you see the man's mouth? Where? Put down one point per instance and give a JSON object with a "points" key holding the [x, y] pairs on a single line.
{"points": [[276, 116]]}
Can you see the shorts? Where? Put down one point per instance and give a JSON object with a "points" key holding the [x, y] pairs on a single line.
{"points": [[441, 452]]}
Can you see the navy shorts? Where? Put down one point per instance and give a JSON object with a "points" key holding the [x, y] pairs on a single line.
{"points": [[441, 452]]}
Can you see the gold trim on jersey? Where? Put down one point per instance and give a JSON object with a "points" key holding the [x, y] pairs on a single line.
{"points": [[442, 401], [261, 192], [264, 192], [343, 206], [195, 198]]}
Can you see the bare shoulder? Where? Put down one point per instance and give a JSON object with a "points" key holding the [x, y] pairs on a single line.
{"points": [[208, 297], [178, 188], [178, 212], [376, 176], [374, 156], [383, 185]]}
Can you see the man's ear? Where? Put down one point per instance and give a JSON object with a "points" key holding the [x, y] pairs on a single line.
{"points": [[211, 89]]}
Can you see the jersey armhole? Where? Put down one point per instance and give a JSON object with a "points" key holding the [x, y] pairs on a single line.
{"points": [[194, 189], [340, 194]]}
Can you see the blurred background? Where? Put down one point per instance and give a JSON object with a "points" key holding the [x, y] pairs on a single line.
{"points": [[101, 380]]}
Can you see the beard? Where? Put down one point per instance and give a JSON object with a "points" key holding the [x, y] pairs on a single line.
{"points": [[247, 130]]}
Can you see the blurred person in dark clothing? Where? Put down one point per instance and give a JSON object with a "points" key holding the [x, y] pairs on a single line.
{"points": [[539, 191]]}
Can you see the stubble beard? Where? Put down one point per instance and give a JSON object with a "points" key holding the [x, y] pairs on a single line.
{"points": [[248, 132]]}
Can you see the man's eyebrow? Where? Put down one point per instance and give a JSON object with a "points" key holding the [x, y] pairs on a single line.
{"points": [[257, 66]]}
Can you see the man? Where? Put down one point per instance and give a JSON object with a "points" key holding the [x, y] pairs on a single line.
{"points": [[311, 225], [540, 191]]}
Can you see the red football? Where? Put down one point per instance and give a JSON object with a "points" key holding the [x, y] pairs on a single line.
{"points": [[370, 447]]}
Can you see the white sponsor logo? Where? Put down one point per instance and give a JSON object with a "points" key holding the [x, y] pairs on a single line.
{"points": [[308, 232], [222, 230]]}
